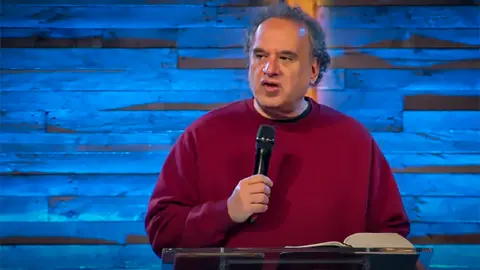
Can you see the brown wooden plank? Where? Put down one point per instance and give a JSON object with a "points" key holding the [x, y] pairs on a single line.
{"points": [[218, 37], [22, 121], [441, 103], [462, 239], [380, 58]]}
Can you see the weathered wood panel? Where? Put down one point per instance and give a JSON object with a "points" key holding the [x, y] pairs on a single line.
{"points": [[119, 100], [134, 80], [436, 142], [400, 2], [441, 103], [425, 121], [111, 163], [23, 209], [345, 58], [418, 81], [219, 37], [88, 184], [133, 208], [104, 16], [21, 121], [94, 142], [410, 184], [374, 17], [247, 2], [124, 80], [85, 257], [92, 58], [120, 121], [141, 256], [133, 232], [151, 162], [143, 2], [375, 115]]}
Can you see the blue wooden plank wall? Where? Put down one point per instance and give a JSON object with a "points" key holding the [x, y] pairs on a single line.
{"points": [[94, 93]]}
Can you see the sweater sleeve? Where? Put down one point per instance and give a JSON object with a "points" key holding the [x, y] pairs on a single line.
{"points": [[175, 217], [386, 211]]}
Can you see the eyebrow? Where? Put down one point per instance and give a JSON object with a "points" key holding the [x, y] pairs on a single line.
{"points": [[285, 52]]}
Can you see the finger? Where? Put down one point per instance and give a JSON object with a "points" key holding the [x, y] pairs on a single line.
{"points": [[259, 208], [259, 198], [260, 179], [260, 188]]}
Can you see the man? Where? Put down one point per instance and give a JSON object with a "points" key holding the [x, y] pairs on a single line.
{"points": [[327, 177]]}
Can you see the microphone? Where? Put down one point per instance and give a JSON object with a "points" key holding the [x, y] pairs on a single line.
{"points": [[263, 149]]}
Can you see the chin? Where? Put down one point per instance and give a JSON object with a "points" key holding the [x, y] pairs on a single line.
{"points": [[270, 102]]}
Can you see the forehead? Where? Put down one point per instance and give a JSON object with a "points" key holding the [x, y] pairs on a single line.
{"points": [[277, 33]]}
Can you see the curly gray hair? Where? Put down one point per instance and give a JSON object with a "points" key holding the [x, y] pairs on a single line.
{"points": [[317, 35]]}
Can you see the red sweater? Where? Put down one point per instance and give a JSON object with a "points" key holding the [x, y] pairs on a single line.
{"points": [[330, 180]]}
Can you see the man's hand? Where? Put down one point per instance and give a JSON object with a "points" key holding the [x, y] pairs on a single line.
{"points": [[251, 196]]}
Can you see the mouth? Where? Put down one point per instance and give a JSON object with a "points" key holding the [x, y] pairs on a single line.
{"points": [[270, 85]]}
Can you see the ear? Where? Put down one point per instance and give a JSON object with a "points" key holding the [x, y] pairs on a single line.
{"points": [[315, 71]]}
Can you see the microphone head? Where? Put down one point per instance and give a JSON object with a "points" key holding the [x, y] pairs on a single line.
{"points": [[265, 136]]}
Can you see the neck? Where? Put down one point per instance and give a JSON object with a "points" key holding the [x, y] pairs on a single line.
{"points": [[282, 114]]}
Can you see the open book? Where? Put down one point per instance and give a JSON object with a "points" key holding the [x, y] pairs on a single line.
{"points": [[367, 240]]}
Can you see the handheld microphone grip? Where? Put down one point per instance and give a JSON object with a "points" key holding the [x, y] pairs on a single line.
{"points": [[264, 144]]}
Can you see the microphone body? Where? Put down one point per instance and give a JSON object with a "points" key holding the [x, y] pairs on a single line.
{"points": [[263, 150]]}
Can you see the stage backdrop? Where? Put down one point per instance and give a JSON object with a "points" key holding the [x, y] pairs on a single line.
{"points": [[94, 94]]}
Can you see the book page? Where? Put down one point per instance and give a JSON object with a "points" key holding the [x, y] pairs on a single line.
{"points": [[324, 244], [378, 240]]}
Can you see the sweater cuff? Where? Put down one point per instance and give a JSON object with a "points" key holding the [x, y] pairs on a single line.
{"points": [[224, 221]]}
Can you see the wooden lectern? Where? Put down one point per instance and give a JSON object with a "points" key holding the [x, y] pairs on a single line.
{"points": [[318, 258]]}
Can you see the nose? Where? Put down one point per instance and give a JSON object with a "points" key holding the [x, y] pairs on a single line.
{"points": [[271, 68]]}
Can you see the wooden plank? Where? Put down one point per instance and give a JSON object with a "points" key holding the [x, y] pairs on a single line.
{"points": [[417, 81], [151, 162], [438, 184], [119, 101], [377, 116], [133, 232], [133, 80], [75, 233], [11, 121], [373, 17], [410, 184], [120, 121], [87, 142], [92, 58], [379, 58], [131, 162], [459, 141], [441, 103], [79, 256], [138, 256], [83, 185], [425, 121], [133, 208], [404, 38], [104, 16], [143, 2], [452, 141], [124, 80], [23, 209], [218, 37], [401, 2]]}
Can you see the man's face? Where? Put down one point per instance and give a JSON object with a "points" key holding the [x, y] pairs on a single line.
{"points": [[281, 64]]}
